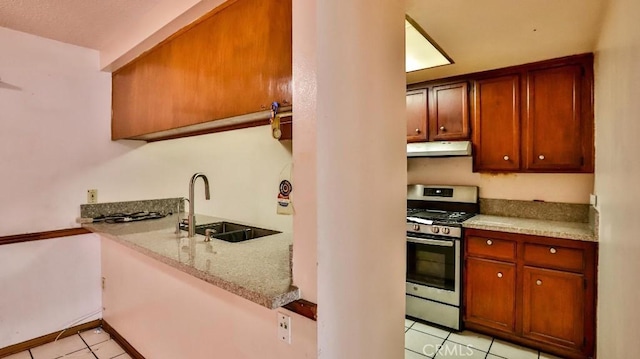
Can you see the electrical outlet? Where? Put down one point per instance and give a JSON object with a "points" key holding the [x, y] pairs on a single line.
{"points": [[284, 328], [92, 196], [593, 200]]}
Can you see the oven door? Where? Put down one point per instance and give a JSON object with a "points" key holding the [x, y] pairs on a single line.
{"points": [[433, 268]]}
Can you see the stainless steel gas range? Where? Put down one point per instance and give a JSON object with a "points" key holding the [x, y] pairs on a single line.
{"points": [[434, 262]]}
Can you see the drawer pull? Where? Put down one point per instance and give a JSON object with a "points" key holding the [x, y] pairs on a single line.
{"points": [[417, 130], [538, 282], [553, 250], [489, 242], [506, 158], [499, 274]]}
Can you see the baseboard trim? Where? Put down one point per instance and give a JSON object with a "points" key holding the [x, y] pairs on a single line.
{"points": [[121, 341], [28, 237], [29, 344]]}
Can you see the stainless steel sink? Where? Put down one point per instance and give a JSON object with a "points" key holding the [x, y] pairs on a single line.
{"points": [[233, 232]]}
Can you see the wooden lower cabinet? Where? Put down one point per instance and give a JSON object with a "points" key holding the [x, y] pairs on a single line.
{"points": [[543, 298], [491, 293], [553, 306]]}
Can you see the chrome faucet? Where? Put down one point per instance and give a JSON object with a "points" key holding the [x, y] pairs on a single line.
{"points": [[192, 217]]}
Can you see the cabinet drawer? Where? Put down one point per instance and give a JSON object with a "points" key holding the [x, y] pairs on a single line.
{"points": [[491, 248], [554, 256]]}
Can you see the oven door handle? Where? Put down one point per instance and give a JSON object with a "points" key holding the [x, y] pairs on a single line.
{"points": [[428, 241]]}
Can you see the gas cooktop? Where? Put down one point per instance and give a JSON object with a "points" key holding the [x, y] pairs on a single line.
{"points": [[420, 215], [128, 217]]}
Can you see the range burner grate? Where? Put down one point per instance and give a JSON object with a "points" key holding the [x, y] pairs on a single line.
{"points": [[128, 217]]}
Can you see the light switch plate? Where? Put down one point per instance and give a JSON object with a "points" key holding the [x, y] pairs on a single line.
{"points": [[593, 200], [92, 196], [284, 327]]}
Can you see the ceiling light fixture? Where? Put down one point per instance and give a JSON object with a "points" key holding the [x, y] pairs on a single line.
{"points": [[421, 51]]}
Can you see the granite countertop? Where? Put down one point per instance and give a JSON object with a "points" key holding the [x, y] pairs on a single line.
{"points": [[567, 230], [258, 269]]}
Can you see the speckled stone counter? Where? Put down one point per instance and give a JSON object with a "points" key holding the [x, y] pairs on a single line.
{"points": [[258, 269], [567, 230]]}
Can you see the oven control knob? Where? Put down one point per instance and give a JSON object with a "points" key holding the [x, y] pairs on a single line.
{"points": [[446, 230], [415, 288], [416, 227], [435, 229]]}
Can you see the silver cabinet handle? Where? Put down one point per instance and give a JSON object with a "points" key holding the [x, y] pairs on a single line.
{"points": [[417, 130], [553, 250], [499, 274], [541, 157], [538, 282], [489, 242], [442, 128], [506, 158]]}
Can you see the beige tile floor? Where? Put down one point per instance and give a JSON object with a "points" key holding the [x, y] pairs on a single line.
{"points": [[91, 344], [423, 341]]}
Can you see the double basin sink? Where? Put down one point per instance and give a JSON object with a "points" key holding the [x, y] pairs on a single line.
{"points": [[231, 232]]}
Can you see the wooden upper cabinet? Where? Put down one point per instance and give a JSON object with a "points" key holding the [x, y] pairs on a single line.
{"points": [[234, 61], [555, 119], [496, 123], [535, 117], [417, 115], [449, 112]]}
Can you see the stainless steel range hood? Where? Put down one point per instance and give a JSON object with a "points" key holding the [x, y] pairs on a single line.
{"points": [[439, 149]]}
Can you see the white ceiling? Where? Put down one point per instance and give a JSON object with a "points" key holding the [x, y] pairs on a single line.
{"points": [[477, 34], [486, 34], [86, 23]]}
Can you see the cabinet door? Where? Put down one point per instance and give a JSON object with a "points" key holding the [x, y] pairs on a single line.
{"points": [[142, 96], [449, 117], [490, 293], [553, 120], [553, 306], [496, 124], [417, 115], [234, 61]]}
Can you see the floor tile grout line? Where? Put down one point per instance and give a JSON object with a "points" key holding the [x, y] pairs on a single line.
{"points": [[489, 348], [413, 351], [30, 354], [87, 344]]}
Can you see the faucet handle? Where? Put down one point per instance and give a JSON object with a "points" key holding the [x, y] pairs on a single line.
{"points": [[208, 234]]}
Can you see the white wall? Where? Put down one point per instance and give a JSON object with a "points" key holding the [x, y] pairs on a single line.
{"points": [[146, 300], [305, 222], [555, 187], [47, 286], [617, 75], [361, 175], [55, 144]]}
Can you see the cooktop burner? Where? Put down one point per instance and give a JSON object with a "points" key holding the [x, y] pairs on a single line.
{"points": [[445, 217], [128, 217]]}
